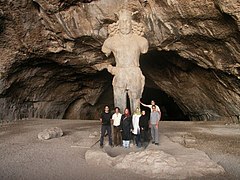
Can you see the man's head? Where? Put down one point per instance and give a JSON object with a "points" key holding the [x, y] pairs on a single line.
{"points": [[152, 102], [143, 113], [125, 21], [153, 107], [117, 110], [106, 109]]}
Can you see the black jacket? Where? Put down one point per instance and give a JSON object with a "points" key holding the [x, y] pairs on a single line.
{"points": [[144, 121], [126, 126]]}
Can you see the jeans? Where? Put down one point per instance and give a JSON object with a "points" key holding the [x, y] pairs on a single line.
{"points": [[154, 133], [109, 133], [137, 139], [126, 143]]}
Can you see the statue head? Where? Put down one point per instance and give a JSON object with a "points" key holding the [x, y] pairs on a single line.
{"points": [[125, 25], [125, 21]]}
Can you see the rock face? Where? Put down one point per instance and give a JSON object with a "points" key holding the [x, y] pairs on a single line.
{"points": [[50, 50]]}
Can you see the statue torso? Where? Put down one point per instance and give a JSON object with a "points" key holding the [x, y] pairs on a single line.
{"points": [[127, 49]]}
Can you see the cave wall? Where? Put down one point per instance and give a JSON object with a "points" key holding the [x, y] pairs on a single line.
{"points": [[202, 94], [49, 50]]}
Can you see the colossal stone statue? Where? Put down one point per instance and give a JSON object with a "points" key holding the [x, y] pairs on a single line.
{"points": [[126, 42]]}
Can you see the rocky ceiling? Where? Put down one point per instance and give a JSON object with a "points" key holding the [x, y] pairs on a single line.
{"points": [[49, 49]]}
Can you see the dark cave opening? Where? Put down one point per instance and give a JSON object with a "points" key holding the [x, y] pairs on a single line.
{"points": [[169, 109], [156, 63], [128, 104]]}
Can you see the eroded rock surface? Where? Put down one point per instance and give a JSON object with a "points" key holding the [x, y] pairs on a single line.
{"points": [[50, 133], [50, 51], [154, 163]]}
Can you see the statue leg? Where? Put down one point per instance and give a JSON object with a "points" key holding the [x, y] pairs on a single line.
{"points": [[120, 98], [136, 88], [134, 100]]}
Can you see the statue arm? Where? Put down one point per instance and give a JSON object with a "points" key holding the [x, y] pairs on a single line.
{"points": [[106, 48], [111, 69], [144, 46]]}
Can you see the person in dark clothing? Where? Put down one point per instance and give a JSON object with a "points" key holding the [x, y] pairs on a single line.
{"points": [[105, 120], [126, 127], [144, 127]]}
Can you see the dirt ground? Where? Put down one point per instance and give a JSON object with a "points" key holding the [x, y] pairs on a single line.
{"points": [[23, 156]]}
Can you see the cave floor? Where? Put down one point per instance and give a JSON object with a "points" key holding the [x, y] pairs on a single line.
{"points": [[23, 156]]}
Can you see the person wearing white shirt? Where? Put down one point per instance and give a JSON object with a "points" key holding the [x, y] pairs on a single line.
{"points": [[136, 127], [116, 117], [150, 106]]}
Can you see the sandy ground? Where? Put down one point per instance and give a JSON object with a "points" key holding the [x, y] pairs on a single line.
{"points": [[23, 156]]}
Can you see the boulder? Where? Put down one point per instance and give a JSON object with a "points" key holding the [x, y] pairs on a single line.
{"points": [[50, 133], [158, 164]]}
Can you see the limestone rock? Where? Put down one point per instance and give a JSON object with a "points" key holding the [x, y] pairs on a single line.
{"points": [[50, 133], [154, 163], [51, 54], [94, 134], [98, 158]]}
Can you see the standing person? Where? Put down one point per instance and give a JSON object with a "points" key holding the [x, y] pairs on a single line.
{"points": [[144, 126], [150, 106], [126, 127], [154, 119], [105, 119], [136, 128], [116, 117]]}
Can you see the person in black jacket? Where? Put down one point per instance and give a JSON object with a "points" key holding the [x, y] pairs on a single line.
{"points": [[126, 127], [105, 120], [144, 127]]}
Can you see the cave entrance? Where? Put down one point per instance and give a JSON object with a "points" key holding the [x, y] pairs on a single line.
{"points": [[170, 110]]}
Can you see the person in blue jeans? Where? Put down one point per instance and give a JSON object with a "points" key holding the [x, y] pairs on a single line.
{"points": [[105, 120]]}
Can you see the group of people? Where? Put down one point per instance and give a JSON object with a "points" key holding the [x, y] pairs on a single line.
{"points": [[128, 127]]}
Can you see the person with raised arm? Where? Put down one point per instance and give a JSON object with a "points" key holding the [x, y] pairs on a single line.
{"points": [[150, 106]]}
